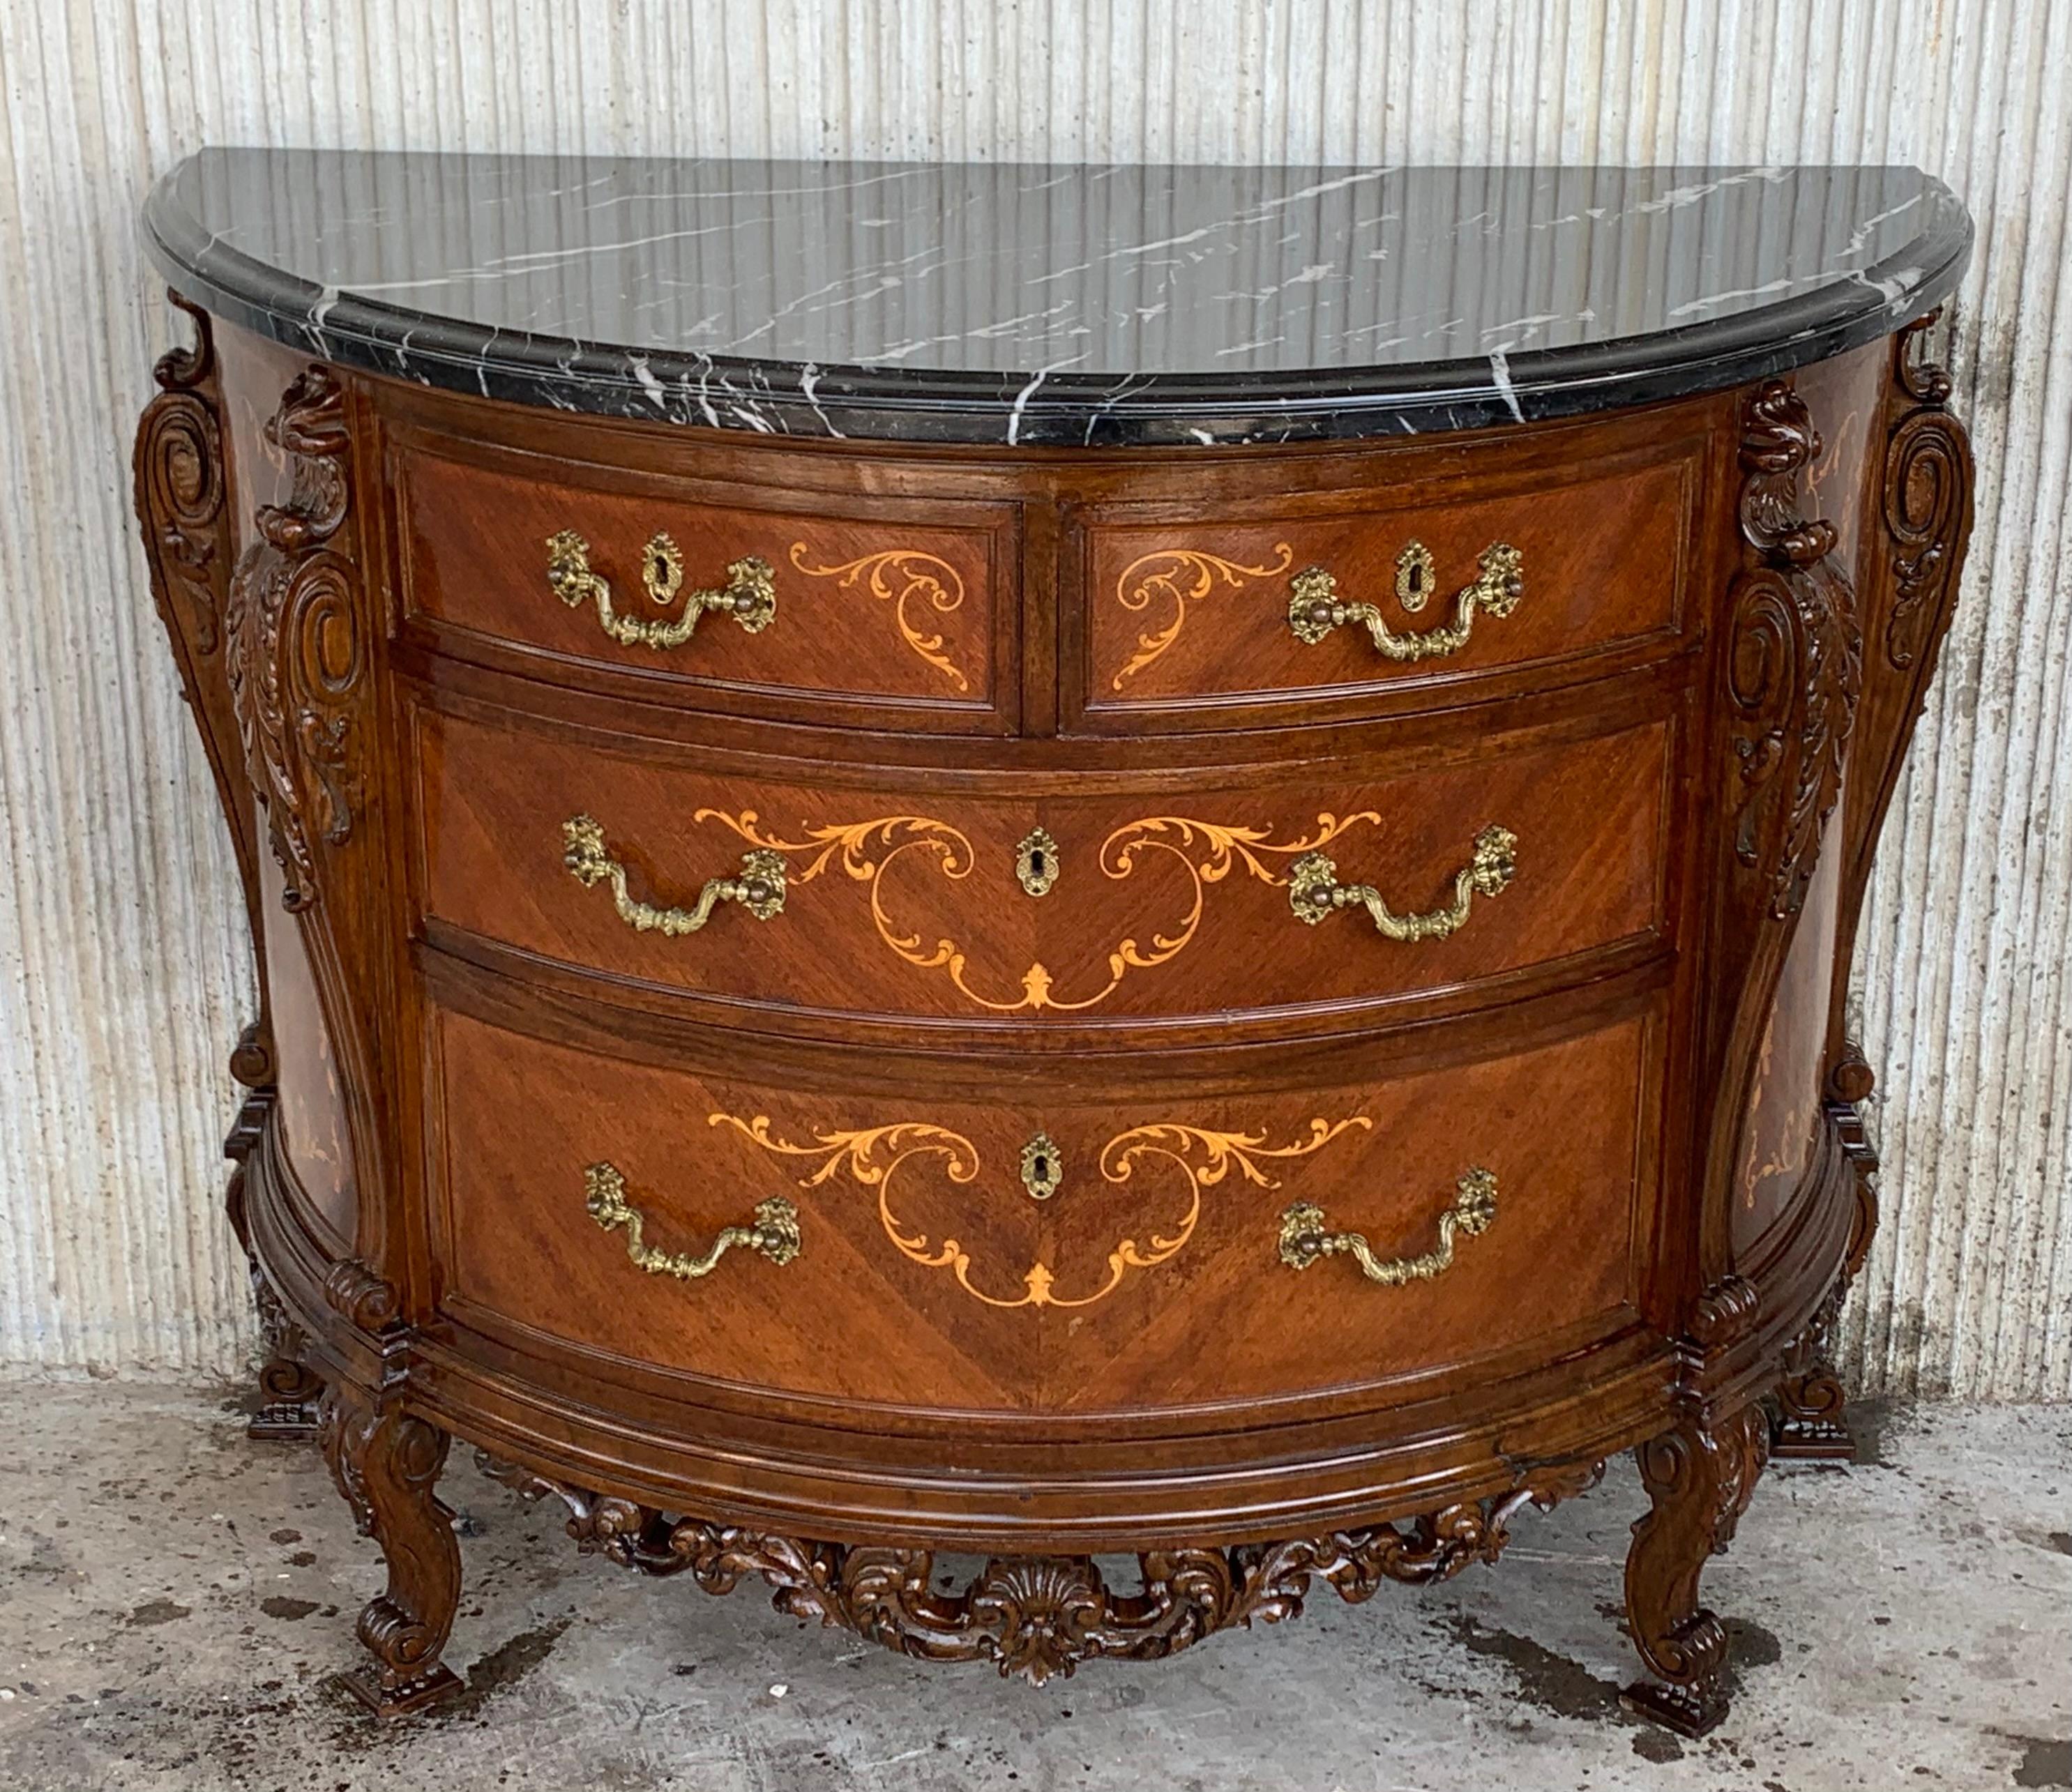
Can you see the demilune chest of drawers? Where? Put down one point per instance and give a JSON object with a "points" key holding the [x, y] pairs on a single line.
{"points": [[1046, 863]]}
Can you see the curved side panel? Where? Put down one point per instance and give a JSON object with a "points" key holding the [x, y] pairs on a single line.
{"points": [[1781, 1128], [314, 1134]]}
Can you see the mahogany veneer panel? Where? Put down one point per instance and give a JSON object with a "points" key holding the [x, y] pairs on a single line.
{"points": [[1190, 614], [996, 1299], [884, 610], [903, 899]]}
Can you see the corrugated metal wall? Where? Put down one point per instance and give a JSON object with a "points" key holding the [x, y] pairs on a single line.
{"points": [[122, 969]]}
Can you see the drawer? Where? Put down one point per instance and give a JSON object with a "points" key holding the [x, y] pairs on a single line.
{"points": [[1296, 901], [1357, 596], [718, 598], [1061, 1252]]}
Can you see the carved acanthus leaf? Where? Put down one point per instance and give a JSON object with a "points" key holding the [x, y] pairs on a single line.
{"points": [[1793, 661], [1041, 1615], [297, 659]]}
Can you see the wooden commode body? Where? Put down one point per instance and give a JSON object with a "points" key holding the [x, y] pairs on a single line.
{"points": [[874, 952]]}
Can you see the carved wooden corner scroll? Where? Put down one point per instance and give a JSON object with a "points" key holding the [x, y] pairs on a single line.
{"points": [[1794, 664], [297, 659], [182, 492]]}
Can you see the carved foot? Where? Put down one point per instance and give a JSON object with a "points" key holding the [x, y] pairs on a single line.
{"points": [[385, 1463], [1811, 1424], [289, 1391], [1699, 1477]]}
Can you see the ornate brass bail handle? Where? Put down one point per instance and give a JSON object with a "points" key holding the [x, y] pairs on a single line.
{"points": [[760, 889], [1314, 609], [749, 596], [773, 1233], [1314, 891], [1304, 1241]]}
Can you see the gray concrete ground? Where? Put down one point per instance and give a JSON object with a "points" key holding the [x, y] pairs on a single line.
{"points": [[174, 1599]]}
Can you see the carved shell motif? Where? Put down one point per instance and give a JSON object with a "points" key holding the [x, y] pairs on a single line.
{"points": [[296, 658], [1041, 1615], [1795, 660]]}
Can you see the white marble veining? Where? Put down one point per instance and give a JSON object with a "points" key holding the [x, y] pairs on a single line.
{"points": [[1022, 304]]}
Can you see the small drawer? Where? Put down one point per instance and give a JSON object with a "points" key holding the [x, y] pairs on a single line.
{"points": [[802, 608], [1358, 598], [1290, 902], [1053, 1252]]}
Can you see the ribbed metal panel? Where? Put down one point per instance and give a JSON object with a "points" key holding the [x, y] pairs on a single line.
{"points": [[123, 971]]}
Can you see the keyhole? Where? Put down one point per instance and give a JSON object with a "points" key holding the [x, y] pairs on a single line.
{"points": [[1037, 863], [1041, 1167], [1415, 579]]}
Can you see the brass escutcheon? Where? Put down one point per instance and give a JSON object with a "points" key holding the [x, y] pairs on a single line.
{"points": [[1036, 862], [1042, 1167]]}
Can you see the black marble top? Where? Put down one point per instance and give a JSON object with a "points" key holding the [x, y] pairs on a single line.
{"points": [[997, 302]]}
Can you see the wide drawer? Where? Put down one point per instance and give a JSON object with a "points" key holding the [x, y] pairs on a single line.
{"points": [[1356, 596], [1291, 898], [822, 608], [1057, 1250]]}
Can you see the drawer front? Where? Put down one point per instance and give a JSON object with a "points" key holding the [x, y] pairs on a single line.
{"points": [[1357, 596], [717, 598], [1278, 902], [1052, 1252]]}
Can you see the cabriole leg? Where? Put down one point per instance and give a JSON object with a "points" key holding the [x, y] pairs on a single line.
{"points": [[385, 1463], [1699, 1477]]}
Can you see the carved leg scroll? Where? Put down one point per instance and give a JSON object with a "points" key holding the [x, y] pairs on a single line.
{"points": [[289, 1390], [1812, 1421], [1811, 1424], [385, 1463], [1700, 1477]]}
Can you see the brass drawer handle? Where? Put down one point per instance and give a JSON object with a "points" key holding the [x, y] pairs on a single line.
{"points": [[774, 1233], [1314, 891], [760, 889], [750, 594], [1314, 611], [1304, 1240]]}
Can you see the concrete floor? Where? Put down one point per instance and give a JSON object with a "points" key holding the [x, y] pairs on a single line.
{"points": [[173, 1600]]}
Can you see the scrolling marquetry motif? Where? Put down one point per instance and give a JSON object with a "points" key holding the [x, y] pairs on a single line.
{"points": [[872, 1157], [1172, 579], [1795, 660], [1043, 1615], [1208, 852], [899, 577], [297, 659]]}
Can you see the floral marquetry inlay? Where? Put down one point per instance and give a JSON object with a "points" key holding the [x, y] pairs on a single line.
{"points": [[1207, 851], [1167, 580], [872, 1157], [901, 577]]}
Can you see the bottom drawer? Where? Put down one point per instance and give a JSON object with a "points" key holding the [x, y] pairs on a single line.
{"points": [[1066, 1254]]}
